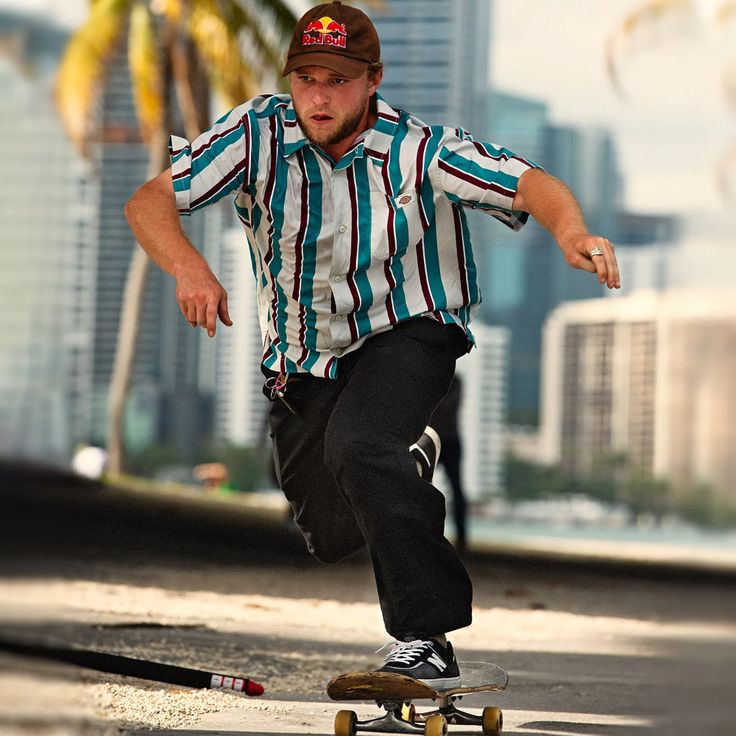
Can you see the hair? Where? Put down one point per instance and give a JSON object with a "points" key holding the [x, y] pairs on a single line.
{"points": [[374, 68]]}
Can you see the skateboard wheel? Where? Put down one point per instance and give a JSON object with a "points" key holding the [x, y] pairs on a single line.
{"points": [[492, 721], [435, 725], [345, 721], [408, 712]]}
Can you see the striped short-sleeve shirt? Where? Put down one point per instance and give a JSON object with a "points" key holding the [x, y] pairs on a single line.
{"points": [[344, 250]]}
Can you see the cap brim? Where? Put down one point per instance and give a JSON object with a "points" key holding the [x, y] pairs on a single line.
{"points": [[351, 68]]}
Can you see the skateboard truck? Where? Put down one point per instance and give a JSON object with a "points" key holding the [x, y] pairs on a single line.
{"points": [[402, 718], [395, 694]]}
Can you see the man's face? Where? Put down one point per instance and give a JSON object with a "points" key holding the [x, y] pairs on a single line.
{"points": [[331, 108]]}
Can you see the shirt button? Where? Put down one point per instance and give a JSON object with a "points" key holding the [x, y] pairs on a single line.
{"points": [[339, 351], [337, 278], [342, 228], [339, 318]]}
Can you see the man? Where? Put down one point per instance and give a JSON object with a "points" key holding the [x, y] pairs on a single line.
{"points": [[353, 212]]}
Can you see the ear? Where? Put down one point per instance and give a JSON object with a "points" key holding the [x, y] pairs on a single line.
{"points": [[374, 80]]}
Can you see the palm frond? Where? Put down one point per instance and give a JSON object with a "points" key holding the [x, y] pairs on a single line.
{"points": [[646, 15], [218, 43], [83, 65], [145, 69], [726, 13]]}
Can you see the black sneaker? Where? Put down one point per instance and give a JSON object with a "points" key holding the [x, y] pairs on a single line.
{"points": [[426, 452], [424, 660]]}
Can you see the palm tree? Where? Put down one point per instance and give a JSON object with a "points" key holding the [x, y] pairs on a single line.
{"points": [[179, 51], [705, 17]]}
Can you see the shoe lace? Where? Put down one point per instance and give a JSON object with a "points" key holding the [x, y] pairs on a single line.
{"points": [[403, 651]]}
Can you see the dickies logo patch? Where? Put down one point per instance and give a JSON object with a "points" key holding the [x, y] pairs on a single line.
{"points": [[325, 32], [405, 199]]}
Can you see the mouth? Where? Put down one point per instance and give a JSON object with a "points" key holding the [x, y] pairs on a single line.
{"points": [[321, 119]]}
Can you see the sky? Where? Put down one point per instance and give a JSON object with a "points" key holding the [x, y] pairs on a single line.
{"points": [[672, 128]]}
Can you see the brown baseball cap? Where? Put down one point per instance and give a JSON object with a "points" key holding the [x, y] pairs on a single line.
{"points": [[336, 36]]}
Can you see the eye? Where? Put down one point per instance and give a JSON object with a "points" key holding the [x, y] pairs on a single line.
{"points": [[304, 78], [337, 81]]}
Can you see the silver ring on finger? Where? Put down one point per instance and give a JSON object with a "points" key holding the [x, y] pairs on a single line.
{"points": [[597, 251]]}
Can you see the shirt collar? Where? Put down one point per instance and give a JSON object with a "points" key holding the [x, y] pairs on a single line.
{"points": [[376, 142]]}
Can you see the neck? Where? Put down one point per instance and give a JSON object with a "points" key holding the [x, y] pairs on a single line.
{"points": [[337, 150]]}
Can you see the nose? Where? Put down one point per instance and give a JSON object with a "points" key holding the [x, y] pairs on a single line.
{"points": [[321, 94]]}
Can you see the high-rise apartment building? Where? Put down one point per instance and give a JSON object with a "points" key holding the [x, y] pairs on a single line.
{"points": [[436, 59], [240, 406], [647, 377], [167, 404], [47, 255], [483, 412]]}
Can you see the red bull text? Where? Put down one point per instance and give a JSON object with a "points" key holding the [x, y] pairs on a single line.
{"points": [[328, 33]]}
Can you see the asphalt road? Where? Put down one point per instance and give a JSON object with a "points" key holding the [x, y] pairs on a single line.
{"points": [[592, 646]]}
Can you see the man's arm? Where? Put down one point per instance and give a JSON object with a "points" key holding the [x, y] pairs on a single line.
{"points": [[554, 206], [154, 220]]}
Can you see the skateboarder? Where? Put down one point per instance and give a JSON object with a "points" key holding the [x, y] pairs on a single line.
{"points": [[354, 214]]}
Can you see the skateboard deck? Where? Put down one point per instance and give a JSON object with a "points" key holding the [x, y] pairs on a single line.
{"points": [[384, 686], [395, 694]]}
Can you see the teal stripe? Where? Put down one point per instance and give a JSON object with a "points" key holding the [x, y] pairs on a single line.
{"points": [[470, 267], [207, 157], [277, 220], [431, 246], [502, 178], [400, 225], [362, 283], [314, 222], [311, 360]]}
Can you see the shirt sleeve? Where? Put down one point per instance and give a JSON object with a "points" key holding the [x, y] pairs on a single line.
{"points": [[215, 163], [482, 176]]}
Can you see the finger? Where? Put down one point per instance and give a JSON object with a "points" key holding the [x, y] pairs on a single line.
{"points": [[211, 317], [202, 315], [223, 311], [598, 259], [614, 276], [191, 314]]}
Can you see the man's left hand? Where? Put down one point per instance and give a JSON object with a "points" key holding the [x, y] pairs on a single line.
{"points": [[595, 254]]}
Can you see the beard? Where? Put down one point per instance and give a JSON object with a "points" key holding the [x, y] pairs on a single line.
{"points": [[345, 128]]}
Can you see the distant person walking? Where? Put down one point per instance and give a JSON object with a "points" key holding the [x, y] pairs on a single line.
{"points": [[444, 421]]}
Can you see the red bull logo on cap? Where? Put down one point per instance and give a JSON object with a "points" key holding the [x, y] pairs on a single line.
{"points": [[325, 32]]}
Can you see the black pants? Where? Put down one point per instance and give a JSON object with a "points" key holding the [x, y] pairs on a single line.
{"points": [[343, 462]]}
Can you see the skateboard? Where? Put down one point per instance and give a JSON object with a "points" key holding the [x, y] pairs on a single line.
{"points": [[395, 693]]}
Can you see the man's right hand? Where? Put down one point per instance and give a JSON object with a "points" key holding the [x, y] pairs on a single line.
{"points": [[202, 299]]}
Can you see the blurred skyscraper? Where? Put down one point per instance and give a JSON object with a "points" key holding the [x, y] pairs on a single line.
{"points": [[240, 406], [436, 58], [525, 272], [66, 248], [647, 378], [48, 255], [483, 412], [167, 404]]}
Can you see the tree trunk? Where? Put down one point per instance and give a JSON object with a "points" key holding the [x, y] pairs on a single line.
{"points": [[129, 328]]}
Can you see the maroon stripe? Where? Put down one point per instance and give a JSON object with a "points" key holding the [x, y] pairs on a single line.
{"points": [[420, 173], [390, 298], [501, 156], [354, 244], [216, 138], [304, 356], [267, 198], [460, 249], [376, 154], [470, 179], [299, 251], [328, 366], [423, 276], [249, 163], [220, 184]]}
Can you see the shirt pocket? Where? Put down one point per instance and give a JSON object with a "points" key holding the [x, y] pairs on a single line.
{"points": [[397, 223]]}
